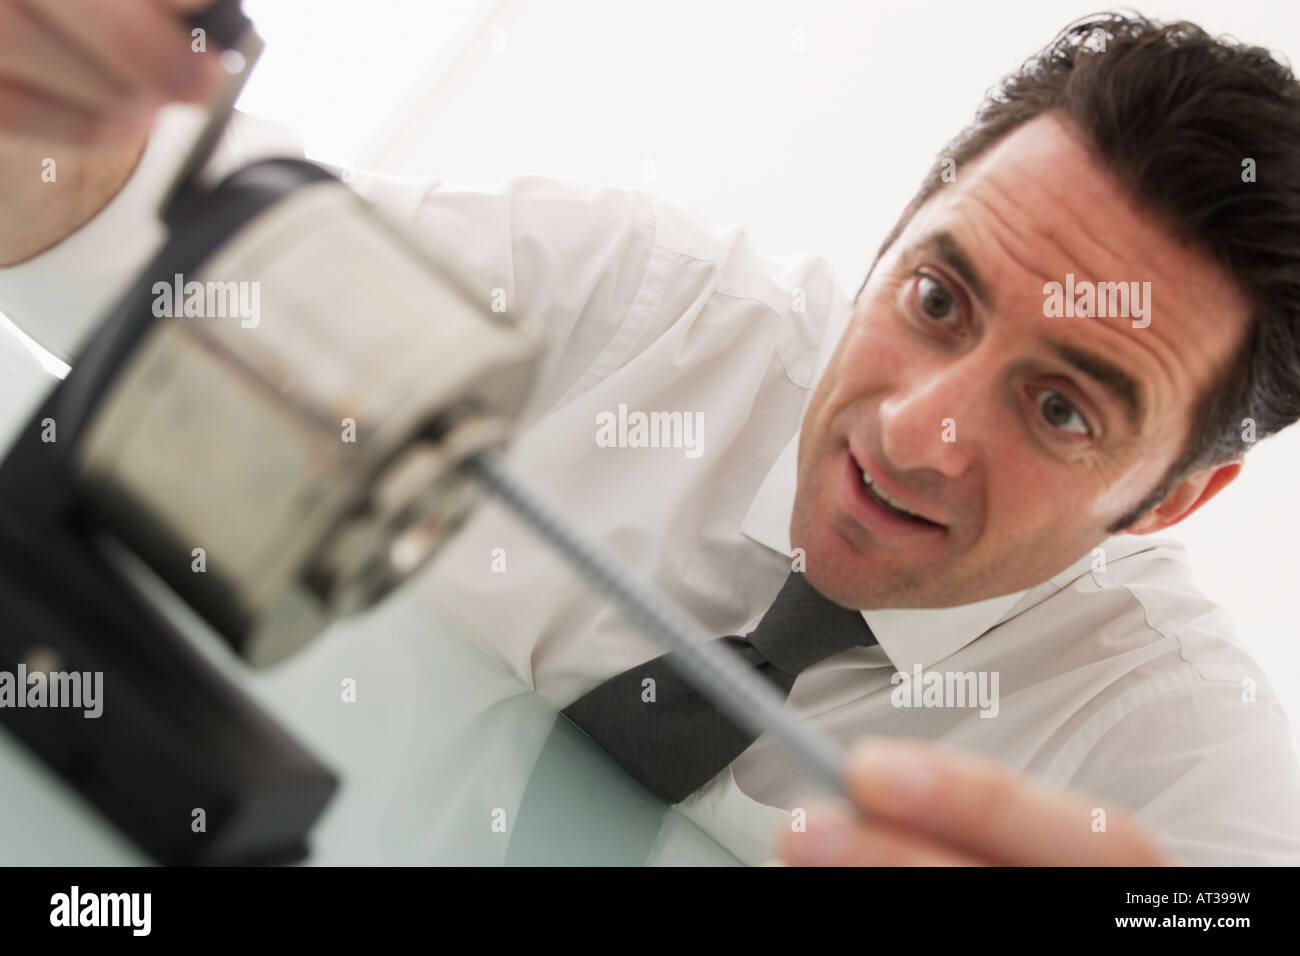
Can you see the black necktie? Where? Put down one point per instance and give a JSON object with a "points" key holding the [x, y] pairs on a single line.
{"points": [[671, 737]]}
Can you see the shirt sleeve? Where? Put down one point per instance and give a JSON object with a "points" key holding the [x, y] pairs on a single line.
{"points": [[1210, 769], [567, 259]]}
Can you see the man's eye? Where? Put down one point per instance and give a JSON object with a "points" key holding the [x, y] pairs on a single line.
{"points": [[1060, 413], [936, 301]]}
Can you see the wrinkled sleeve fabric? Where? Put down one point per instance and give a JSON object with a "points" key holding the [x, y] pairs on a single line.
{"points": [[1210, 770], [565, 259]]}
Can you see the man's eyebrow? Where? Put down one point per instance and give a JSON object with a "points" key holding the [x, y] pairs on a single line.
{"points": [[947, 248], [1119, 383]]}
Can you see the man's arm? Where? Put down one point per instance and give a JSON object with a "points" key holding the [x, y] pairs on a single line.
{"points": [[928, 805], [1207, 775]]}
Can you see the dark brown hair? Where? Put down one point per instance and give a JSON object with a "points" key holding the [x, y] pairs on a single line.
{"points": [[1175, 115]]}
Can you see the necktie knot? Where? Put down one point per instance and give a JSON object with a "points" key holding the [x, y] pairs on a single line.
{"points": [[803, 627]]}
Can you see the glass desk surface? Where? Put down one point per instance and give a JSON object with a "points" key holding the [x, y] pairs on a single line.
{"points": [[444, 758]]}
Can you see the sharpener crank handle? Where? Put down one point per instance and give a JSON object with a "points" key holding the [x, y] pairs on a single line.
{"points": [[225, 24]]}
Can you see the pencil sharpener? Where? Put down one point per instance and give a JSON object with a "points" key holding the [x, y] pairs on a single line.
{"points": [[270, 421]]}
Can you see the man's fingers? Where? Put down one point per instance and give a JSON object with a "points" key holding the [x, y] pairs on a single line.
{"points": [[139, 43], [970, 803], [837, 836], [37, 58]]}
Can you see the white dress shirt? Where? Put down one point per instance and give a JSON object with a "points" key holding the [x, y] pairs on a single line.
{"points": [[1116, 677]]}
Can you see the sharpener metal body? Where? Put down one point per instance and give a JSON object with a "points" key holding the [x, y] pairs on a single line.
{"points": [[296, 407]]}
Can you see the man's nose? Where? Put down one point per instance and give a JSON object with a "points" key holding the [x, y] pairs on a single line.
{"points": [[932, 418]]}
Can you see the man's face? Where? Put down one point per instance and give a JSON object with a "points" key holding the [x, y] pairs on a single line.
{"points": [[965, 404]]}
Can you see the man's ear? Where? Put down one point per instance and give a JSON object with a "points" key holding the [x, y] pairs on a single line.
{"points": [[1195, 490]]}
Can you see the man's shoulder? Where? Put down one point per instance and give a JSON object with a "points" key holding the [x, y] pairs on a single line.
{"points": [[720, 272], [698, 278], [743, 267], [1149, 582], [1178, 722], [1131, 627]]}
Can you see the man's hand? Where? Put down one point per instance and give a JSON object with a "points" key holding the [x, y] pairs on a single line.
{"points": [[80, 84], [927, 805], [93, 71]]}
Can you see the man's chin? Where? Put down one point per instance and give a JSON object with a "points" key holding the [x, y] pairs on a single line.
{"points": [[865, 591], [854, 579], [845, 576], [848, 565]]}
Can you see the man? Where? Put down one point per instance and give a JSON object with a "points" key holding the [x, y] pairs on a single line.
{"points": [[1059, 350]]}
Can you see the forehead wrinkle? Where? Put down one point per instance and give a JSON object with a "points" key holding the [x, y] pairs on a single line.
{"points": [[1007, 252], [1156, 241], [1051, 236], [1078, 228], [1097, 187]]}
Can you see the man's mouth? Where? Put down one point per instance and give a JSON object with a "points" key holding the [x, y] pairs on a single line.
{"points": [[886, 511], [874, 490]]}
